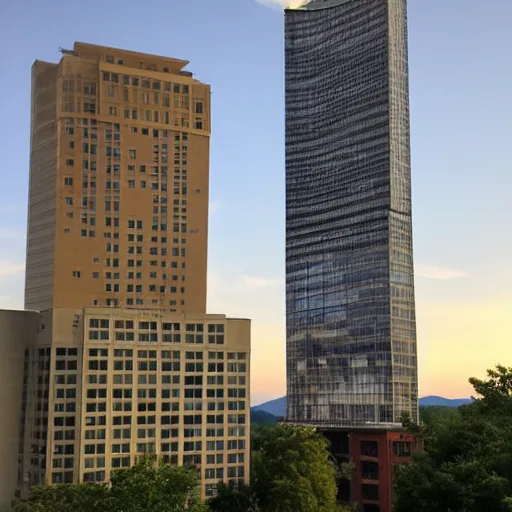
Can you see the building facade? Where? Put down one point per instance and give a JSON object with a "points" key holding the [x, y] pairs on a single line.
{"points": [[118, 190], [351, 334], [107, 385], [17, 331], [374, 454], [119, 358]]}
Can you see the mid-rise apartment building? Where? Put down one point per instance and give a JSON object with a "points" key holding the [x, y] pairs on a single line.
{"points": [[117, 357], [104, 386]]}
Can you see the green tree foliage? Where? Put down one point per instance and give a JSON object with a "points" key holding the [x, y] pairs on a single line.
{"points": [[65, 498], [156, 488], [433, 414], [467, 464], [231, 499], [291, 472], [145, 487]]}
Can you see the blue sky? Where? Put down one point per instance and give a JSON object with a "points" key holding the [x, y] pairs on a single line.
{"points": [[461, 78]]}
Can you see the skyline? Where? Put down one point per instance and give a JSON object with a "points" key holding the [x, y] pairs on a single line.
{"points": [[461, 252]]}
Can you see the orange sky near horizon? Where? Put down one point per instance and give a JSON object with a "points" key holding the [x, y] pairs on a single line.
{"points": [[457, 339]]}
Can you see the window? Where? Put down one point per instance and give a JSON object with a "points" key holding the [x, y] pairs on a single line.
{"points": [[402, 449], [68, 181], [132, 153], [371, 492], [199, 108], [370, 470], [370, 448], [76, 274], [90, 88], [70, 162], [112, 111]]}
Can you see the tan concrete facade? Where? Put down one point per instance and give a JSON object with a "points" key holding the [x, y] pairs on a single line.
{"points": [[119, 178], [117, 384], [17, 332], [122, 359]]}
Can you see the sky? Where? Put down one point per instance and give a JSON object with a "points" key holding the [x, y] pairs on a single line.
{"points": [[460, 78]]}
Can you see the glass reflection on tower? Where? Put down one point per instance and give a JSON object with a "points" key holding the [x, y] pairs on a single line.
{"points": [[351, 333]]}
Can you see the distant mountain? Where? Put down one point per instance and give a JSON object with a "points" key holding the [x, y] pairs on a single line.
{"points": [[262, 417], [444, 402], [277, 407]]}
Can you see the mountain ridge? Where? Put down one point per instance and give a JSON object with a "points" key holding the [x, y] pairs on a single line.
{"points": [[277, 407]]}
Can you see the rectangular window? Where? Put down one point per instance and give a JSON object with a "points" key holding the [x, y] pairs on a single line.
{"points": [[370, 448], [371, 492], [370, 470], [402, 449]]}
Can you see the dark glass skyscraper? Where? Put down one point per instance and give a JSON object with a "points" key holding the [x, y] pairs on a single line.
{"points": [[351, 331]]}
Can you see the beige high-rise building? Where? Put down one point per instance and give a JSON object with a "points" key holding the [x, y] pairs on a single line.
{"points": [[119, 173], [117, 357]]}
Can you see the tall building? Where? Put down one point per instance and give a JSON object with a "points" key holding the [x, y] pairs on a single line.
{"points": [[118, 357], [351, 333], [119, 174]]}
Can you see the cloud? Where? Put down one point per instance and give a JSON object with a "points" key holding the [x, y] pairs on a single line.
{"points": [[253, 282], [435, 272], [285, 4], [8, 268], [239, 294]]}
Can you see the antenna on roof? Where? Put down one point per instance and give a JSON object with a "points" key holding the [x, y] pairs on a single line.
{"points": [[66, 52]]}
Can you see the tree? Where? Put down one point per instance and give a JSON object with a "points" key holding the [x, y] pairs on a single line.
{"points": [[147, 486], [234, 499], [291, 472], [155, 487], [433, 414], [467, 464], [65, 498]]}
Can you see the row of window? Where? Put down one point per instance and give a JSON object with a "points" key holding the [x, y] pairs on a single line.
{"points": [[400, 448], [95, 323], [154, 337], [92, 132], [156, 98], [165, 354], [151, 378]]}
